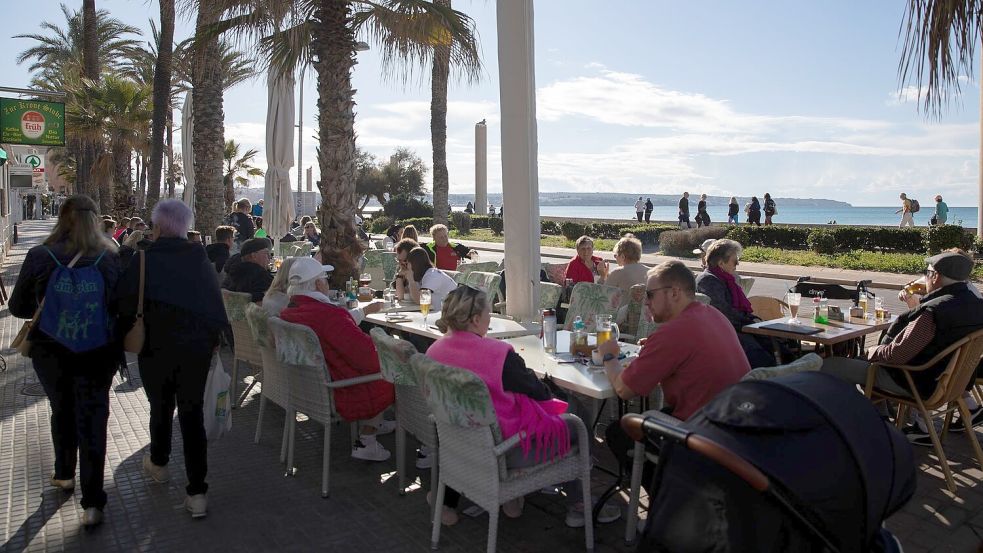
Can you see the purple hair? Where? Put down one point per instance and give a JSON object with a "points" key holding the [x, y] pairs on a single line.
{"points": [[172, 217]]}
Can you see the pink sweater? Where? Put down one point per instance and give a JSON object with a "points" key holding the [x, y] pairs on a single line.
{"points": [[516, 413]]}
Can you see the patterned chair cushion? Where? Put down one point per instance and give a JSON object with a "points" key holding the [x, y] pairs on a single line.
{"points": [[589, 300], [484, 267], [384, 262], [549, 295], [489, 283], [394, 358], [257, 317], [296, 344], [235, 304], [555, 272], [455, 396], [294, 249], [636, 304]]}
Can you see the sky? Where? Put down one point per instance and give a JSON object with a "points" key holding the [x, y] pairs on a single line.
{"points": [[799, 99]]}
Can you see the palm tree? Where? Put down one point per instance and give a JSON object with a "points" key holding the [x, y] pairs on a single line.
{"points": [[940, 37], [163, 71], [238, 169]]}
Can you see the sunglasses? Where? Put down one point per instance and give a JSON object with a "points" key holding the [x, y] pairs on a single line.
{"points": [[650, 293], [465, 289]]}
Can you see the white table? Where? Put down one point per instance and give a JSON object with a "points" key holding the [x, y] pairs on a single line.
{"points": [[587, 380], [399, 307], [412, 322]]}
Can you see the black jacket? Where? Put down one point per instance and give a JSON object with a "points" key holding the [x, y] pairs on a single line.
{"points": [[218, 254], [243, 224], [720, 298], [684, 206], [648, 205], [245, 276]]}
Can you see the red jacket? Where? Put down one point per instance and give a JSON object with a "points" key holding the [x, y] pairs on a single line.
{"points": [[349, 352], [577, 271]]}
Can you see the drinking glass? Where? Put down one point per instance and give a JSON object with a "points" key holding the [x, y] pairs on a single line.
{"points": [[606, 330], [390, 297], [425, 305], [879, 309], [793, 300]]}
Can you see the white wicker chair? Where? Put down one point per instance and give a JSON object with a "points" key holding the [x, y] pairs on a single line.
{"points": [[412, 411], [245, 349], [472, 452], [299, 349], [811, 362], [276, 377]]}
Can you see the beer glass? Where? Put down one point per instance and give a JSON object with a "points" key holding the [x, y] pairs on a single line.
{"points": [[793, 300], [606, 330], [425, 305]]}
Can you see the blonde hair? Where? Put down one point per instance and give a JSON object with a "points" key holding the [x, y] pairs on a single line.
{"points": [[438, 227], [409, 231], [460, 306], [281, 280], [629, 247], [79, 228]]}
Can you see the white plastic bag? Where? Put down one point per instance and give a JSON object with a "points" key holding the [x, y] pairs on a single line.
{"points": [[218, 412]]}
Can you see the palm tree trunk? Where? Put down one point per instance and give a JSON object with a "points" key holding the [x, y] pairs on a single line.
{"points": [[438, 127], [230, 192], [209, 132], [171, 173], [142, 180], [123, 189], [333, 44], [103, 176], [84, 182], [162, 99]]}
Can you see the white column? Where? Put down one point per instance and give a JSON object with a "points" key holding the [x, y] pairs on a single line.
{"points": [[520, 173], [979, 177], [481, 168]]}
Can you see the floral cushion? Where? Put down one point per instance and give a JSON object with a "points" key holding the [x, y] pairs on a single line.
{"points": [[636, 305], [394, 358], [455, 396], [296, 344], [549, 295], [555, 272], [257, 317], [484, 267], [489, 283], [294, 249], [235, 304], [589, 300], [383, 262]]}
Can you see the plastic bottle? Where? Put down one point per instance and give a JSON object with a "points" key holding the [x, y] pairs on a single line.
{"points": [[821, 306], [549, 330], [578, 341]]}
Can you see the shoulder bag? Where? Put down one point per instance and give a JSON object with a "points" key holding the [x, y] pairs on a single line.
{"points": [[133, 341], [21, 343]]}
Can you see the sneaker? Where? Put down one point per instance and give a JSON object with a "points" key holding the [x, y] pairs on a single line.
{"points": [[157, 473], [92, 517], [197, 505], [513, 508], [917, 436], [423, 460], [65, 485], [385, 427], [448, 516], [367, 450], [575, 515], [976, 415]]}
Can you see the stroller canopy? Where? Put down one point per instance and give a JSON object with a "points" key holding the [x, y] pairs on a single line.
{"points": [[821, 443]]}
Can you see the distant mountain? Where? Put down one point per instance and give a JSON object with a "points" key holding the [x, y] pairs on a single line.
{"points": [[609, 199]]}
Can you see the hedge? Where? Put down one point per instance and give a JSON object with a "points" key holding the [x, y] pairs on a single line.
{"points": [[496, 225], [648, 234], [833, 239], [461, 221], [683, 242], [572, 231], [548, 226], [944, 237], [380, 224], [422, 224]]}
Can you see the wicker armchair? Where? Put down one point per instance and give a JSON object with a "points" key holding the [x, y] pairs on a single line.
{"points": [[489, 283], [964, 356], [472, 451], [299, 349], [412, 412], [767, 307], [245, 349], [276, 377]]}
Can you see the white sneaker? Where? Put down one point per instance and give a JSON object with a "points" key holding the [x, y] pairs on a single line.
{"points": [[159, 474], [92, 517], [575, 515], [65, 485], [369, 450], [197, 505], [385, 427], [424, 458]]}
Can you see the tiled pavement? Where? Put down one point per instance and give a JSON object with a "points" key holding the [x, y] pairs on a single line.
{"points": [[253, 507]]}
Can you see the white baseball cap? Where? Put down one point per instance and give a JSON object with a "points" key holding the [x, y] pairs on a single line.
{"points": [[305, 269]]}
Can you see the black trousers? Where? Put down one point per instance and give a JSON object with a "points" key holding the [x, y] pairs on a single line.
{"points": [[648, 215], [77, 386], [178, 378]]}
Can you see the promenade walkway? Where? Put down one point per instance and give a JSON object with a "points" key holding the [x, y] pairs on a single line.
{"points": [[252, 507]]}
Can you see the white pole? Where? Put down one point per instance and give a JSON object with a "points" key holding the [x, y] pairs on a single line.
{"points": [[979, 177], [300, 146], [520, 173], [481, 168]]}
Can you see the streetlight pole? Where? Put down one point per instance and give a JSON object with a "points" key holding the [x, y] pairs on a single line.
{"points": [[300, 143]]}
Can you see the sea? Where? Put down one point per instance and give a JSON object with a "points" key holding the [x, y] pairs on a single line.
{"points": [[794, 215]]}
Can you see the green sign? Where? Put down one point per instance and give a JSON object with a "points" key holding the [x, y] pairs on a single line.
{"points": [[32, 122]]}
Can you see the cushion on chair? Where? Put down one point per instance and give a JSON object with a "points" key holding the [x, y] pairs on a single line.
{"points": [[235, 304], [555, 272], [394, 358], [589, 300], [257, 317], [296, 344], [456, 396]]}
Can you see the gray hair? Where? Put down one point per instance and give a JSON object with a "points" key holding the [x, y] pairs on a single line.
{"points": [[438, 227], [722, 250], [583, 240], [173, 218], [303, 287], [630, 247]]}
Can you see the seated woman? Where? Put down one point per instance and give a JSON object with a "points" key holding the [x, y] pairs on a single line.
{"points": [[409, 231], [349, 353], [312, 235], [516, 393], [719, 282], [419, 273], [629, 272], [584, 267]]}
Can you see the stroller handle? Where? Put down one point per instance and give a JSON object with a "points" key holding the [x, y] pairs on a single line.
{"points": [[639, 427]]}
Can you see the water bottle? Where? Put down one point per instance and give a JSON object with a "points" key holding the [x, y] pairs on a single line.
{"points": [[578, 341], [549, 330]]}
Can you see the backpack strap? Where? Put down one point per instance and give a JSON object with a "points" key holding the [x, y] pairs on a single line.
{"points": [[76, 259], [72, 262]]}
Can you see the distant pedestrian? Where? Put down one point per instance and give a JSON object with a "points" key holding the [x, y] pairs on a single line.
{"points": [[941, 211], [257, 210], [702, 217], [907, 215], [639, 208], [469, 209], [754, 212], [733, 208], [770, 209], [684, 211], [491, 210], [648, 209]]}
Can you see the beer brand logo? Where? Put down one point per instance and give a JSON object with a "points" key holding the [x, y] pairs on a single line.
{"points": [[32, 124]]}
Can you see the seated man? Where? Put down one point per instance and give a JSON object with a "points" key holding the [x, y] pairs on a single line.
{"points": [[694, 354], [443, 253], [248, 271], [219, 252], [950, 310]]}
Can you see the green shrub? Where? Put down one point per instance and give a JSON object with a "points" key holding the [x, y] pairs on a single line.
{"points": [[851, 238], [380, 224], [740, 235], [683, 242], [547, 226], [422, 224], [461, 221], [978, 245], [822, 241], [479, 221], [496, 225], [943, 237], [606, 230], [901, 240], [648, 234], [407, 207], [777, 236], [572, 231]]}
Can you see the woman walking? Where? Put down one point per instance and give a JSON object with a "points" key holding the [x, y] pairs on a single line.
{"points": [[75, 376], [183, 316], [702, 217], [754, 212], [770, 209], [732, 209]]}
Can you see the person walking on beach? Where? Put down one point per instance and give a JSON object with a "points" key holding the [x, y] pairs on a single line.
{"points": [[770, 209], [732, 210], [702, 217], [684, 210], [941, 211], [648, 209], [907, 217], [754, 212], [639, 208]]}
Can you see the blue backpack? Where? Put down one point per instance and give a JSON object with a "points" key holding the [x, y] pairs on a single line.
{"points": [[74, 307]]}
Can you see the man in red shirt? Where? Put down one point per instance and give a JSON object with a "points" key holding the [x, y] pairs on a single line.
{"points": [[444, 254], [694, 354]]}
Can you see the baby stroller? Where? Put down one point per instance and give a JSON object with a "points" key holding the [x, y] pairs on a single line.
{"points": [[796, 463], [810, 288]]}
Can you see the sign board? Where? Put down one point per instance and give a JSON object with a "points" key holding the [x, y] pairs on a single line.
{"points": [[32, 122], [21, 169], [35, 161]]}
